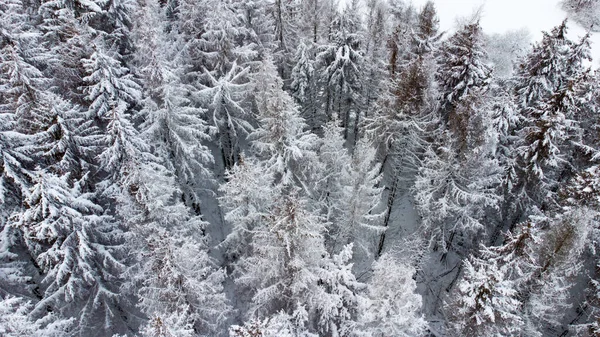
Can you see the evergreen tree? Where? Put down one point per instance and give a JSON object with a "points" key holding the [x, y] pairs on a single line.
{"points": [[215, 40], [427, 33], [224, 98], [464, 150], [181, 285], [171, 119], [68, 40], [78, 252], [550, 95], [374, 49], [452, 195], [394, 306], [286, 19], [16, 321], [110, 86], [69, 141], [290, 271], [334, 180], [316, 17], [349, 192], [304, 86], [360, 221], [522, 286], [256, 19], [23, 84], [281, 137], [247, 198], [462, 68], [487, 302], [341, 63]]}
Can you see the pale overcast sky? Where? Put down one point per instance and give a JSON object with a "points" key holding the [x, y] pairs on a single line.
{"points": [[503, 15]]}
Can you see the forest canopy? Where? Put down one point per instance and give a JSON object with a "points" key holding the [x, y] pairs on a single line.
{"points": [[290, 168]]}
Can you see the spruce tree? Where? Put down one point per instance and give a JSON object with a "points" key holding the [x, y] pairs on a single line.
{"points": [[462, 68], [231, 118], [281, 138], [341, 64]]}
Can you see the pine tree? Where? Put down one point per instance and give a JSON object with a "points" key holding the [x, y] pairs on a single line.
{"points": [[215, 40], [304, 86], [21, 81], [67, 142], [16, 321], [374, 65], [172, 120], [462, 68], [110, 86], [453, 195], [181, 283], [360, 221], [78, 252], [281, 137], [247, 198], [465, 149], [286, 17], [315, 19], [15, 166], [550, 95], [341, 295], [68, 40], [334, 179], [258, 22], [290, 272], [522, 287], [341, 64], [283, 270], [149, 202], [171, 325], [427, 33], [505, 119], [278, 325], [224, 99], [487, 301], [394, 305], [546, 294], [584, 12], [171, 272]]}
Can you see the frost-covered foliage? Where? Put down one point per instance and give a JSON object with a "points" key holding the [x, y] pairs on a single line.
{"points": [[393, 303], [452, 195], [247, 197], [109, 85], [281, 137], [224, 99], [172, 119], [489, 304], [341, 64], [550, 88], [17, 321], [277, 168], [181, 287], [462, 67], [304, 86], [584, 12]]}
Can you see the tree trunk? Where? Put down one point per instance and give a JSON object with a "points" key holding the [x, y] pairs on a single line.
{"points": [[388, 214]]}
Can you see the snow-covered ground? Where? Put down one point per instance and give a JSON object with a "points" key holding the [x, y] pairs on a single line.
{"points": [[500, 16]]}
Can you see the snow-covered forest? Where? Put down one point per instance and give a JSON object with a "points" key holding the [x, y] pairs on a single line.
{"points": [[295, 168]]}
